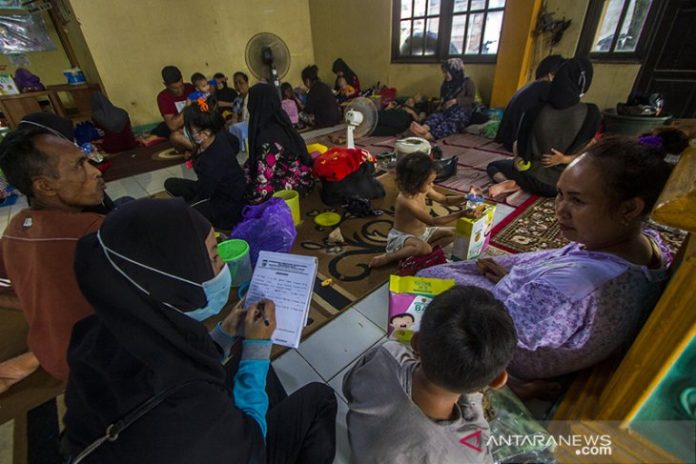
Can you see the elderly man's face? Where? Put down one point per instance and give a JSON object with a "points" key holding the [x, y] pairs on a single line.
{"points": [[70, 179]]}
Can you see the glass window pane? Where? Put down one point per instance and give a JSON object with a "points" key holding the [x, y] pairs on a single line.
{"points": [[405, 39], [431, 36], [608, 24], [477, 5], [433, 7], [491, 38], [496, 4], [406, 11], [418, 36], [457, 37], [418, 8], [460, 5], [633, 25], [473, 34]]}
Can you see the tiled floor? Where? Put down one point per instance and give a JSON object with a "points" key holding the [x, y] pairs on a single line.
{"points": [[325, 357]]}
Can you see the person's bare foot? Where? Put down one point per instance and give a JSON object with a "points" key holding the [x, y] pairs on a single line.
{"points": [[379, 261], [417, 129], [503, 188], [541, 389], [16, 369]]}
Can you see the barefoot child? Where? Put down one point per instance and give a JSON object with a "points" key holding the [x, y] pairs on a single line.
{"points": [[415, 230]]}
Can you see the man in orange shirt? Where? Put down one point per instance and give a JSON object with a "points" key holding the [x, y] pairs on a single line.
{"points": [[38, 245]]}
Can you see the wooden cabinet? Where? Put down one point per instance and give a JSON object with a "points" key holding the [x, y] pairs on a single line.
{"points": [[71, 101]]}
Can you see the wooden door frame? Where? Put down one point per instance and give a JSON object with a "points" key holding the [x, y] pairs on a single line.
{"points": [[648, 66]]}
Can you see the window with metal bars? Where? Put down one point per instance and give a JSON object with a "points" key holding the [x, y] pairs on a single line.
{"points": [[429, 31], [617, 30]]}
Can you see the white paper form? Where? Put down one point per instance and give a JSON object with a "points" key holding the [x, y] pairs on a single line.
{"points": [[288, 281]]}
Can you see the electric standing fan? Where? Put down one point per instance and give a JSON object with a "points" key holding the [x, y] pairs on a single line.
{"points": [[268, 58], [361, 118]]}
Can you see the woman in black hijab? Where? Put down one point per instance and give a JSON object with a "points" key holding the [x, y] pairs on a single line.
{"points": [[563, 125], [341, 69], [115, 122], [146, 363], [278, 157]]}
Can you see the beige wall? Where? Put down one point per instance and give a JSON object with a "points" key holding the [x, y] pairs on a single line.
{"points": [[79, 45], [131, 40], [612, 82], [360, 32], [47, 65]]}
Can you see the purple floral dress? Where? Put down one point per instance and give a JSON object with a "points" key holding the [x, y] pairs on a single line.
{"points": [[275, 172], [572, 308]]}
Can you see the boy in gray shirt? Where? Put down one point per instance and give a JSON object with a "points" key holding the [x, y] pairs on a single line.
{"points": [[420, 404]]}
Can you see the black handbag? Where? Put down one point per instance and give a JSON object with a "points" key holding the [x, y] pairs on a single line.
{"points": [[114, 430], [361, 183]]}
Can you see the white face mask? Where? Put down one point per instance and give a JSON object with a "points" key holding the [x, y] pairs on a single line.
{"points": [[217, 289]]}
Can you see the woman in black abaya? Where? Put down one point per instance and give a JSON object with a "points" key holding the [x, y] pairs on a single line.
{"points": [[146, 360]]}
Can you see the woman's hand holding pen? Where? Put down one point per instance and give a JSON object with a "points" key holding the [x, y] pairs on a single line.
{"points": [[260, 320]]}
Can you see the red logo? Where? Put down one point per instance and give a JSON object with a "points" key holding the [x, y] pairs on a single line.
{"points": [[473, 441]]}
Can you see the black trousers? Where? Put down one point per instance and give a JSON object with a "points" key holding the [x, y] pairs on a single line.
{"points": [[186, 189], [528, 182], [302, 426]]}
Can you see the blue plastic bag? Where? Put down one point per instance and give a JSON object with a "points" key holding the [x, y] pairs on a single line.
{"points": [[267, 226], [85, 132]]}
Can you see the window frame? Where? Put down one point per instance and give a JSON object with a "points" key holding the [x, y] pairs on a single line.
{"points": [[591, 23], [445, 29]]}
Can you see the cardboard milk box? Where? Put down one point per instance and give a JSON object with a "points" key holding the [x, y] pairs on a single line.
{"points": [[409, 296], [472, 235]]}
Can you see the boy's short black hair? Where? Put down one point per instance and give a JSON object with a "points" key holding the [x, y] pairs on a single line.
{"points": [[467, 338], [171, 74], [195, 77], [412, 171], [21, 161], [219, 75]]}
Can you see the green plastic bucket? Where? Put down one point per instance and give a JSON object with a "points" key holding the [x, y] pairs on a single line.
{"points": [[236, 254]]}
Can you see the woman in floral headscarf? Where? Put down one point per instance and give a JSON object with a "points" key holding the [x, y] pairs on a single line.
{"points": [[457, 94]]}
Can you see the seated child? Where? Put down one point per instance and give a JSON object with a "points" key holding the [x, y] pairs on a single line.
{"points": [[225, 95], [415, 230], [290, 103], [423, 403], [345, 91], [203, 87]]}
